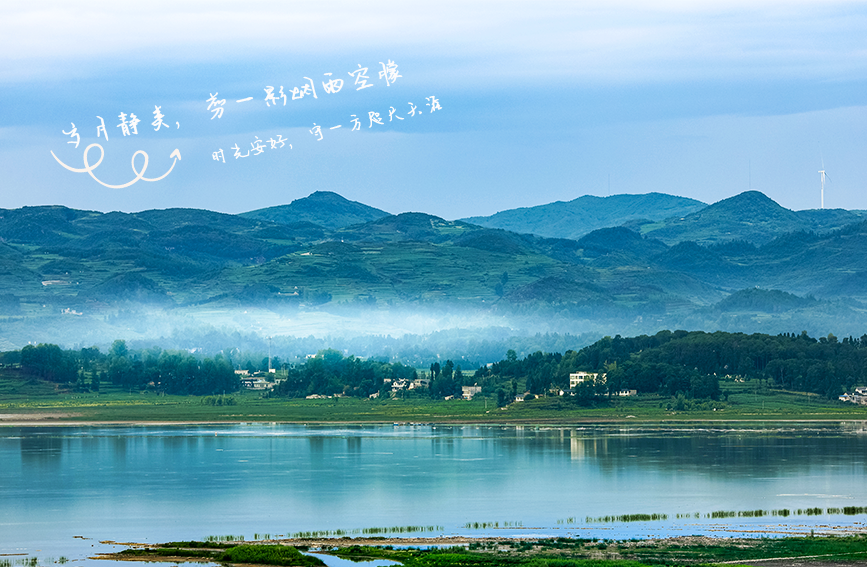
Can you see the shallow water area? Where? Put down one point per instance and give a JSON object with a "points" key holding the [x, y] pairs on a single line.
{"points": [[334, 561], [150, 484]]}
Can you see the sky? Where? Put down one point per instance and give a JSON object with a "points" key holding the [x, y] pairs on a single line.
{"points": [[481, 106]]}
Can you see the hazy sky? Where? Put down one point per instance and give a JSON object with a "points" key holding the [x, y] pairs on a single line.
{"points": [[540, 101]]}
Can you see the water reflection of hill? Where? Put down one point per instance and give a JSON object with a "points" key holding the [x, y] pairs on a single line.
{"points": [[738, 452]]}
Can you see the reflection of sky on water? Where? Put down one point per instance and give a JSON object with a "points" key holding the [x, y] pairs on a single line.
{"points": [[332, 561], [168, 483]]}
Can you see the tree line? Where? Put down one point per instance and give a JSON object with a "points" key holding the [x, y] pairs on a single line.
{"points": [[688, 363], [165, 371], [669, 363]]}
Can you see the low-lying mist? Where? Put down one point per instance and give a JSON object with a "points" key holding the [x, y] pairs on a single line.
{"points": [[416, 335]]}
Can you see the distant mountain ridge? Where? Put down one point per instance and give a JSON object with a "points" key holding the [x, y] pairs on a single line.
{"points": [[55, 261], [751, 216], [573, 219], [324, 208]]}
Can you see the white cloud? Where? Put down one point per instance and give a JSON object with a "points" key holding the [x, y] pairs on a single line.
{"points": [[615, 41]]}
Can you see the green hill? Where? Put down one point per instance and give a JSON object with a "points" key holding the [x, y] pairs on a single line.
{"points": [[799, 262], [407, 226], [323, 208], [573, 219], [620, 239], [763, 300], [750, 216]]}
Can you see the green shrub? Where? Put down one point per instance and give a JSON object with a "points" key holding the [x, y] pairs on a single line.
{"points": [[269, 555]]}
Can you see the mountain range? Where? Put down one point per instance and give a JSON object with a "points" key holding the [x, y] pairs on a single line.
{"points": [[744, 259], [573, 219]]}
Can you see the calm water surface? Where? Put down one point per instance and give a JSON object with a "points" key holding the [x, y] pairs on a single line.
{"points": [[153, 484]]}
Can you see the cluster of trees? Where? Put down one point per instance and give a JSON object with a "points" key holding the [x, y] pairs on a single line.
{"points": [[679, 363], [791, 361], [171, 372], [329, 373], [689, 364], [446, 380]]}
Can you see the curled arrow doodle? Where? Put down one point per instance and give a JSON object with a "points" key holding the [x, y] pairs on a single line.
{"points": [[138, 174]]}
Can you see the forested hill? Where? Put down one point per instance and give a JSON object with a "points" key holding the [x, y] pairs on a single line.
{"points": [[573, 219], [792, 361], [750, 216], [693, 363], [323, 208]]}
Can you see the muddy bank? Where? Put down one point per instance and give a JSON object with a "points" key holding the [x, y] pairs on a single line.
{"points": [[36, 418]]}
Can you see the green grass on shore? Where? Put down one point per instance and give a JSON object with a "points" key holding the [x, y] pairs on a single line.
{"points": [[559, 552], [567, 552], [749, 401]]}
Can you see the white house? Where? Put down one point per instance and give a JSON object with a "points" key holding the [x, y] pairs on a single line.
{"points": [[576, 378], [469, 391], [256, 383], [859, 397]]}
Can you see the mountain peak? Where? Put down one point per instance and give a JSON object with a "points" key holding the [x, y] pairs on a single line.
{"points": [[750, 216], [748, 202], [326, 196], [325, 208]]}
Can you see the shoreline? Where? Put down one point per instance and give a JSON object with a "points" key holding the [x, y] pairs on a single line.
{"points": [[46, 420], [623, 549], [323, 545]]}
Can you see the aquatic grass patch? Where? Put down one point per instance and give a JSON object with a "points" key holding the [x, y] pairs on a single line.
{"points": [[401, 530], [494, 525], [20, 562], [574, 520], [714, 515], [224, 538], [626, 518], [319, 534], [752, 514], [374, 531], [719, 514]]}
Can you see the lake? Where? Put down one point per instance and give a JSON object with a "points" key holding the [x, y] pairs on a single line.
{"points": [[64, 489]]}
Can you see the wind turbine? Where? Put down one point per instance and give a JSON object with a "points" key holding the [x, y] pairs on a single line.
{"points": [[822, 173]]}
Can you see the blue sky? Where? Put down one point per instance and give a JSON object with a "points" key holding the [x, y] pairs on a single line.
{"points": [[541, 101]]}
